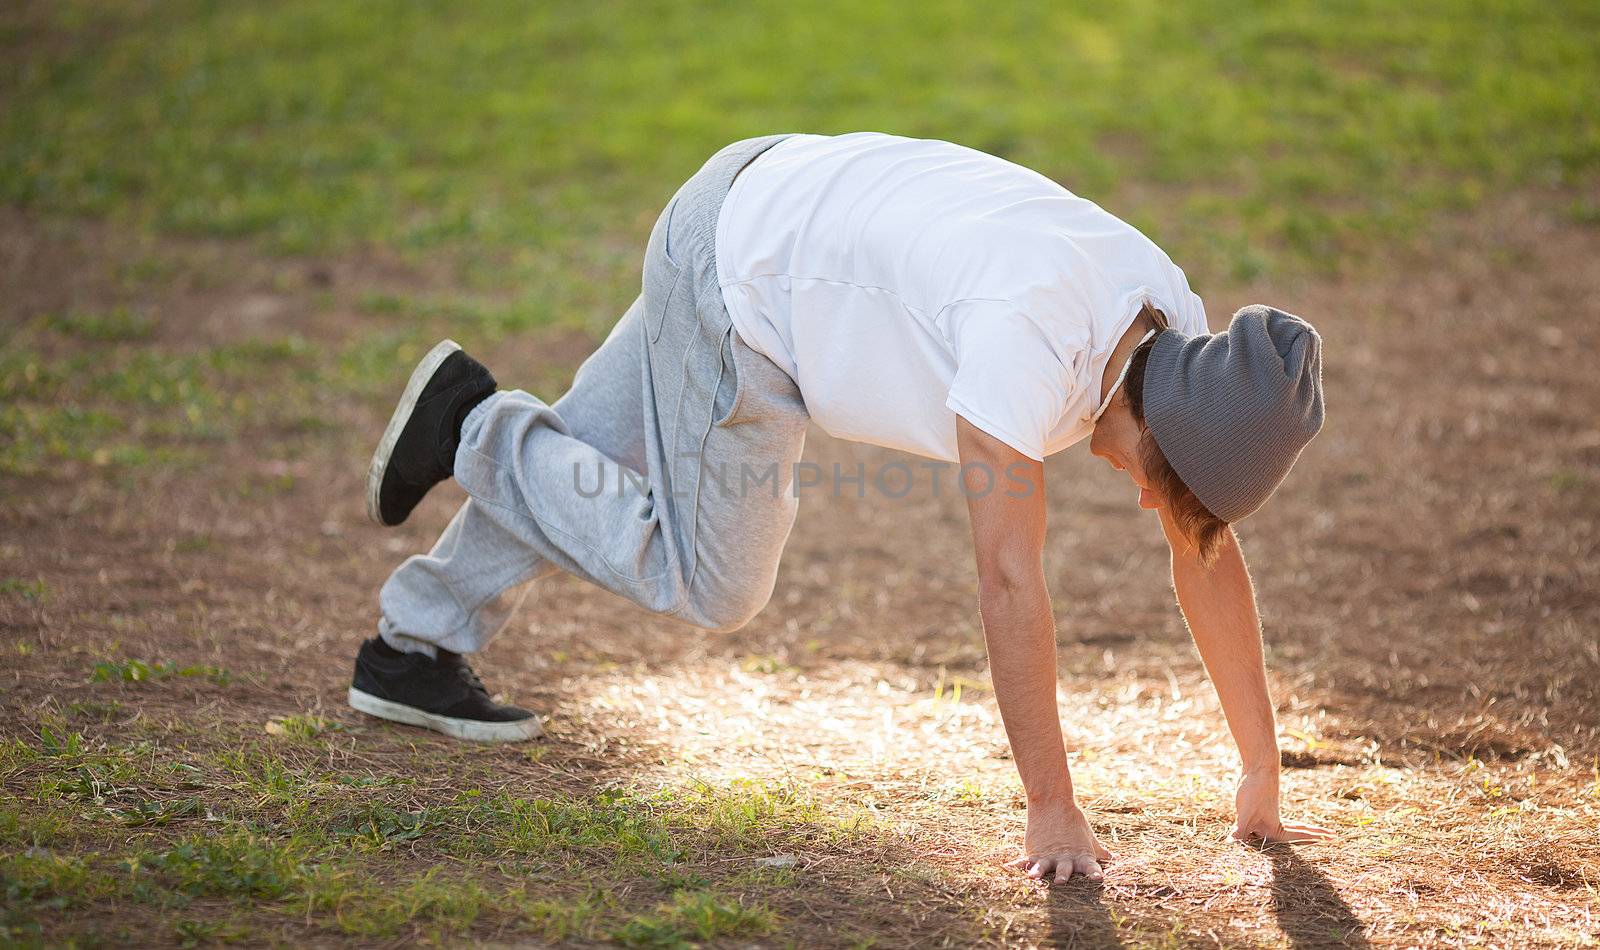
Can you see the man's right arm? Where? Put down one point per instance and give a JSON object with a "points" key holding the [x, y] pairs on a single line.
{"points": [[1005, 500]]}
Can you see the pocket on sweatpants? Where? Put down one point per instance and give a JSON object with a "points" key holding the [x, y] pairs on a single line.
{"points": [[753, 388]]}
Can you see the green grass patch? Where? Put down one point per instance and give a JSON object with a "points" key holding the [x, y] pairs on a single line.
{"points": [[196, 933], [95, 709], [376, 825], [57, 743], [117, 325], [158, 812], [33, 436], [485, 318], [36, 590], [1568, 481], [302, 726], [535, 142], [429, 902], [108, 410], [693, 916], [263, 830], [118, 408], [237, 864], [38, 882], [139, 671], [610, 824]]}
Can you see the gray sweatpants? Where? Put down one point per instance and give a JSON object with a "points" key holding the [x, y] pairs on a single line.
{"points": [[663, 475]]}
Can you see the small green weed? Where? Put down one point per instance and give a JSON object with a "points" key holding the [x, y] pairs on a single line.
{"points": [[379, 823], [743, 811], [1568, 480], [764, 664], [158, 812], [611, 822], [117, 325], [38, 879], [235, 864], [66, 744], [139, 671], [302, 726], [262, 772], [694, 915], [35, 590], [559, 921], [451, 906], [100, 710], [196, 933]]}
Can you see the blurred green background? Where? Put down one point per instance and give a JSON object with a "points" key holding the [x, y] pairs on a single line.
{"points": [[516, 155], [529, 140]]}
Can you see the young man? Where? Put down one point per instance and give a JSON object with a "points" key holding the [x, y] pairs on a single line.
{"points": [[906, 293]]}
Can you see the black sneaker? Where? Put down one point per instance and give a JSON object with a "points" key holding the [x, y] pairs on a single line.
{"points": [[441, 694], [418, 449]]}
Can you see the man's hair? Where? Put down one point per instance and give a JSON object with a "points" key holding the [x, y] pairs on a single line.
{"points": [[1204, 530]]}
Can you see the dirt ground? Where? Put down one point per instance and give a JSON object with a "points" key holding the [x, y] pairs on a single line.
{"points": [[1429, 579]]}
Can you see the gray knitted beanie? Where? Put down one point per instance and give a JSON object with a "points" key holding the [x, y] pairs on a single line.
{"points": [[1232, 410]]}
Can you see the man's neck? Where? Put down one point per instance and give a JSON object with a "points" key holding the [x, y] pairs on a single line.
{"points": [[1120, 353]]}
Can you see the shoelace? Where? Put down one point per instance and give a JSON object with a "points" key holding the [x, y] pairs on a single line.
{"points": [[468, 675]]}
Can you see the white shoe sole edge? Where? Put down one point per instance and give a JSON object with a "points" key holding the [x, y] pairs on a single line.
{"points": [[397, 422], [470, 729]]}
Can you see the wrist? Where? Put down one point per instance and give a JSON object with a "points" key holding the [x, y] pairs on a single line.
{"points": [[1262, 767], [1056, 795], [1260, 756]]}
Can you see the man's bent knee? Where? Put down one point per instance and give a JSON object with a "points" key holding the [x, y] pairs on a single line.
{"points": [[725, 613]]}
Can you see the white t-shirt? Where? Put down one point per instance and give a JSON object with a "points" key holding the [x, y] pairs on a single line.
{"points": [[903, 281]]}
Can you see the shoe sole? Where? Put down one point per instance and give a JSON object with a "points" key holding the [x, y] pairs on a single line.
{"points": [[471, 730], [397, 423]]}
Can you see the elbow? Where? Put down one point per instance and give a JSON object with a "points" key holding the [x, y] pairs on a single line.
{"points": [[1005, 587], [1012, 582]]}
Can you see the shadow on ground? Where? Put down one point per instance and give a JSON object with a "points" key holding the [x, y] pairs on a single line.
{"points": [[1309, 910]]}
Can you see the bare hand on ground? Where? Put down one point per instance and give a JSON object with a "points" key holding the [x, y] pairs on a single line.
{"points": [[1059, 844], [1258, 823]]}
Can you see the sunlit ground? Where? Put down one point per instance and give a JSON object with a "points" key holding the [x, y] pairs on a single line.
{"points": [[1154, 766]]}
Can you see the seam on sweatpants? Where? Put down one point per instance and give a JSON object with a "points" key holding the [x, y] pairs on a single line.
{"points": [[700, 481], [666, 302]]}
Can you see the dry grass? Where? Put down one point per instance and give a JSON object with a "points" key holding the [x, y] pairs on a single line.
{"points": [[1428, 578]]}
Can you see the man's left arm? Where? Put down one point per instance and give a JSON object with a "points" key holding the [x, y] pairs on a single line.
{"points": [[1219, 604]]}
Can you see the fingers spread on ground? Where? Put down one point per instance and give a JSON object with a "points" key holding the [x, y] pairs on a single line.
{"points": [[1063, 871], [1019, 863], [1088, 867], [1312, 831], [1040, 868]]}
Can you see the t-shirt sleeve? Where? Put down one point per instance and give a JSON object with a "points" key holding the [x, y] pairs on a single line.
{"points": [[1014, 377]]}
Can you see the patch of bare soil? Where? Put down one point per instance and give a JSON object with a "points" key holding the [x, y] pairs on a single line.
{"points": [[1429, 579]]}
